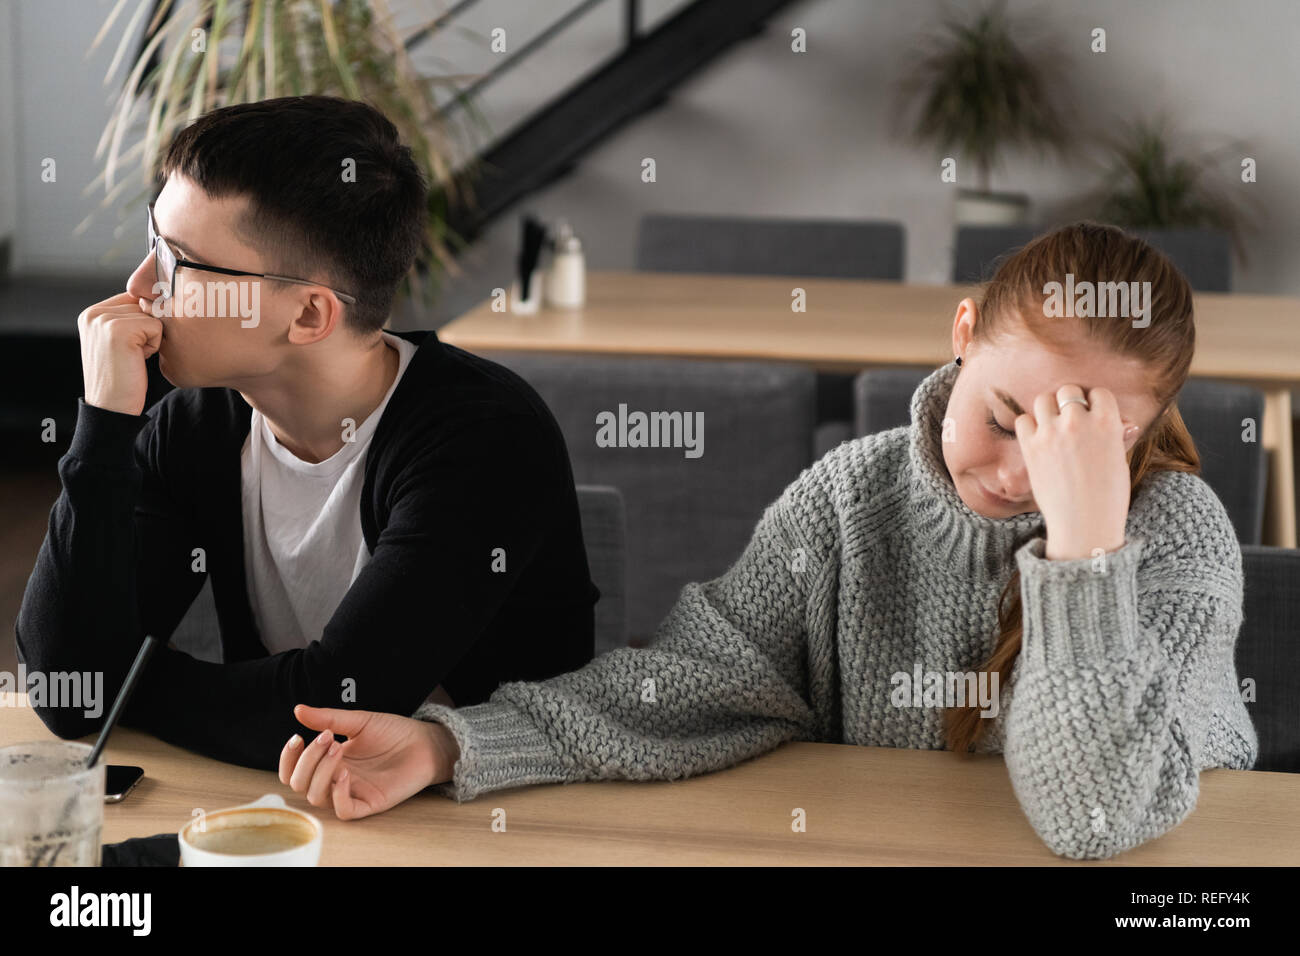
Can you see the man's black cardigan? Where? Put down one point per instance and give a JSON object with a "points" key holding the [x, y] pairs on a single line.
{"points": [[466, 460]]}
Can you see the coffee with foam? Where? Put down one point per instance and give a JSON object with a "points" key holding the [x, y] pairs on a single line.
{"points": [[251, 832]]}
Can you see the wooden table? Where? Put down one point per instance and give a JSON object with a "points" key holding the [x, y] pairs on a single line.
{"points": [[850, 325], [864, 806]]}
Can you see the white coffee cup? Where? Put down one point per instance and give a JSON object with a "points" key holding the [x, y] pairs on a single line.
{"points": [[269, 810]]}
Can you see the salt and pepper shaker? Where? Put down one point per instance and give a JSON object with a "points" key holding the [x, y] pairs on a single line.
{"points": [[563, 282], [566, 281], [526, 305], [526, 288]]}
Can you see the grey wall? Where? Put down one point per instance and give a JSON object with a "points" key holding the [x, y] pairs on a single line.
{"points": [[60, 108], [8, 159], [763, 131]]}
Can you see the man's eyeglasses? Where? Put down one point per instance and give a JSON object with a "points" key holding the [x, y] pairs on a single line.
{"points": [[166, 262]]}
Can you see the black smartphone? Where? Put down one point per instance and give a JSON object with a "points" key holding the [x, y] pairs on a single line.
{"points": [[119, 781]]}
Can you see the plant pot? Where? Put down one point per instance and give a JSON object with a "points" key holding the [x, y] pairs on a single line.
{"points": [[976, 208]]}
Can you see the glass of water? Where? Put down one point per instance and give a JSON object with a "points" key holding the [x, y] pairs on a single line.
{"points": [[51, 806]]}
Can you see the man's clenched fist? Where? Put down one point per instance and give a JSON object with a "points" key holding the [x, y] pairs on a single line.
{"points": [[117, 335]]}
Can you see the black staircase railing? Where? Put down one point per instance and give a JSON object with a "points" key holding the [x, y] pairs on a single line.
{"points": [[636, 78], [549, 142], [513, 59]]}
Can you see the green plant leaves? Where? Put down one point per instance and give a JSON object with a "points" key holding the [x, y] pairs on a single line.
{"points": [[265, 48]]}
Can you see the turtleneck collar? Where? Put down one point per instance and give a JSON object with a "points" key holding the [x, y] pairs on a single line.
{"points": [[956, 535]]}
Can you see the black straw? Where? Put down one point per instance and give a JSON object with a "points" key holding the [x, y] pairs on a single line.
{"points": [[123, 695]]}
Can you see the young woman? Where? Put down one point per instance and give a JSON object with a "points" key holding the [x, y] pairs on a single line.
{"points": [[1040, 522]]}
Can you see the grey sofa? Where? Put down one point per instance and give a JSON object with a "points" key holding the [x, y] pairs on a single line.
{"points": [[688, 519]]}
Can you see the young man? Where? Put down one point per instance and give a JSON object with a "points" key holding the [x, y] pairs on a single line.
{"points": [[387, 519]]}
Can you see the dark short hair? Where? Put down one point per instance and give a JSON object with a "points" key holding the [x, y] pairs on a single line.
{"points": [[287, 156]]}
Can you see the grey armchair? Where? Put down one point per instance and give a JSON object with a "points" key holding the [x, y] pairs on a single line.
{"points": [[1203, 255], [604, 530], [688, 518], [829, 248], [1268, 653]]}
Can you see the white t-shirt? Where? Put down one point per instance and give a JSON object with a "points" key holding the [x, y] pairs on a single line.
{"points": [[303, 545]]}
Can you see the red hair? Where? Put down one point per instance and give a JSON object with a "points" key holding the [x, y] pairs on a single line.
{"points": [[1013, 297]]}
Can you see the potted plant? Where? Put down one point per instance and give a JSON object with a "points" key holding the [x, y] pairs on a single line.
{"points": [[212, 53], [981, 93], [1149, 185]]}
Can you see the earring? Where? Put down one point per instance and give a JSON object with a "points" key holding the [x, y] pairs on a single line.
{"points": [[958, 361]]}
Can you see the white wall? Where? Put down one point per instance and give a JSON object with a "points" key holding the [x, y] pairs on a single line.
{"points": [[765, 131], [61, 108], [8, 156], [762, 131], [53, 104]]}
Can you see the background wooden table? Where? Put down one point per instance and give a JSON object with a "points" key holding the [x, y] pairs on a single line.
{"points": [[854, 324], [864, 806]]}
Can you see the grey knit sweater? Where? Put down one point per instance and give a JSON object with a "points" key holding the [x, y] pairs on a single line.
{"points": [[868, 572]]}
